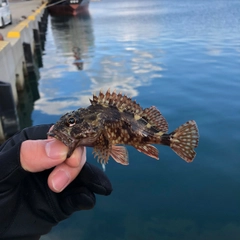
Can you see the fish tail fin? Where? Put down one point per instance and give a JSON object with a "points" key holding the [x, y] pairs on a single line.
{"points": [[184, 139]]}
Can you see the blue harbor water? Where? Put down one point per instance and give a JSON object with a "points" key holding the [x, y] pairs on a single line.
{"points": [[182, 57]]}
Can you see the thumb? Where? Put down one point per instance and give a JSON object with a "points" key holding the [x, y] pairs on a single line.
{"points": [[38, 155]]}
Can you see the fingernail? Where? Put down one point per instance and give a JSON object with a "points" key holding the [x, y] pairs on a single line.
{"points": [[60, 180], [54, 150]]}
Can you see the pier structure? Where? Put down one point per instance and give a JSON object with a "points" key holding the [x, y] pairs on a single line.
{"points": [[18, 43]]}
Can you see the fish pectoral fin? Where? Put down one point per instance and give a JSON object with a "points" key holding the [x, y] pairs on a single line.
{"points": [[119, 154], [102, 154], [149, 150]]}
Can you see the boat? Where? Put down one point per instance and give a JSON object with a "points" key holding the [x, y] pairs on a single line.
{"points": [[67, 7]]}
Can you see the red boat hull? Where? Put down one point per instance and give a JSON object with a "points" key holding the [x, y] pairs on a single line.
{"points": [[68, 9]]}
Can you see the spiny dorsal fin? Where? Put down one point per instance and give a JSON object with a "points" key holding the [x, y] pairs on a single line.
{"points": [[123, 103], [120, 101], [153, 116]]}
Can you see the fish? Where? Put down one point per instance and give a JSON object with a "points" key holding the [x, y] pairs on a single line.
{"points": [[113, 120]]}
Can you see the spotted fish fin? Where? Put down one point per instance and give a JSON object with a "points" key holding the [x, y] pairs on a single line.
{"points": [[122, 102], [149, 150], [184, 139], [154, 119], [102, 154], [119, 154]]}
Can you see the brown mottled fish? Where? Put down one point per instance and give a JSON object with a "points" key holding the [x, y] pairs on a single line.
{"points": [[114, 119]]}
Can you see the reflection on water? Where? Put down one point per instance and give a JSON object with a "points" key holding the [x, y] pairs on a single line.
{"points": [[182, 57], [26, 99], [71, 43], [70, 39], [73, 36]]}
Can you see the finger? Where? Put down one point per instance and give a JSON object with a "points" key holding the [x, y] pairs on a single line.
{"points": [[38, 155], [76, 158], [66, 172]]}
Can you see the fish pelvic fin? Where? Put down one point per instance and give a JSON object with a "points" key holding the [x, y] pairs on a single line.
{"points": [[101, 154], [119, 154], [184, 139]]}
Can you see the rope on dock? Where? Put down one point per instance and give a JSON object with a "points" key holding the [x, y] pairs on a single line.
{"points": [[55, 3]]}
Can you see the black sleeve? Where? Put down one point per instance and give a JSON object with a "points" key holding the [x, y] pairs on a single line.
{"points": [[12, 174], [29, 208]]}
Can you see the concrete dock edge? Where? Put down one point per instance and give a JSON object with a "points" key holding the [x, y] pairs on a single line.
{"points": [[17, 65], [12, 60]]}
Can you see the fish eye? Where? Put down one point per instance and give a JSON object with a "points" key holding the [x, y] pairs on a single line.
{"points": [[71, 121]]}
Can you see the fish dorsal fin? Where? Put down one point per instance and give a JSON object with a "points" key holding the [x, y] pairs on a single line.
{"points": [[153, 116], [122, 102]]}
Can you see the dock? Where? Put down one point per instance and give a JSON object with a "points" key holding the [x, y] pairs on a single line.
{"points": [[20, 41]]}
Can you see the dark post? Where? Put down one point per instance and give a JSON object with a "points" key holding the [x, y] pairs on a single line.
{"points": [[8, 113]]}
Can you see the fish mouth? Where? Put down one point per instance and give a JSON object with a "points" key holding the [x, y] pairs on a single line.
{"points": [[58, 135], [51, 134], [65, 139]]}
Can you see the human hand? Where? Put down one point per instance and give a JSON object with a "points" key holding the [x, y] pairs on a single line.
{"points": [[52, 153], [34, 196]]}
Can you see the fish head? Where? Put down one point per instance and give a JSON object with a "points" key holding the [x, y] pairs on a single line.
{"points": [[74, 130]]}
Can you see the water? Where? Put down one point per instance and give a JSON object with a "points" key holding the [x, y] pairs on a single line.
{"points": [[182, 57]]}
